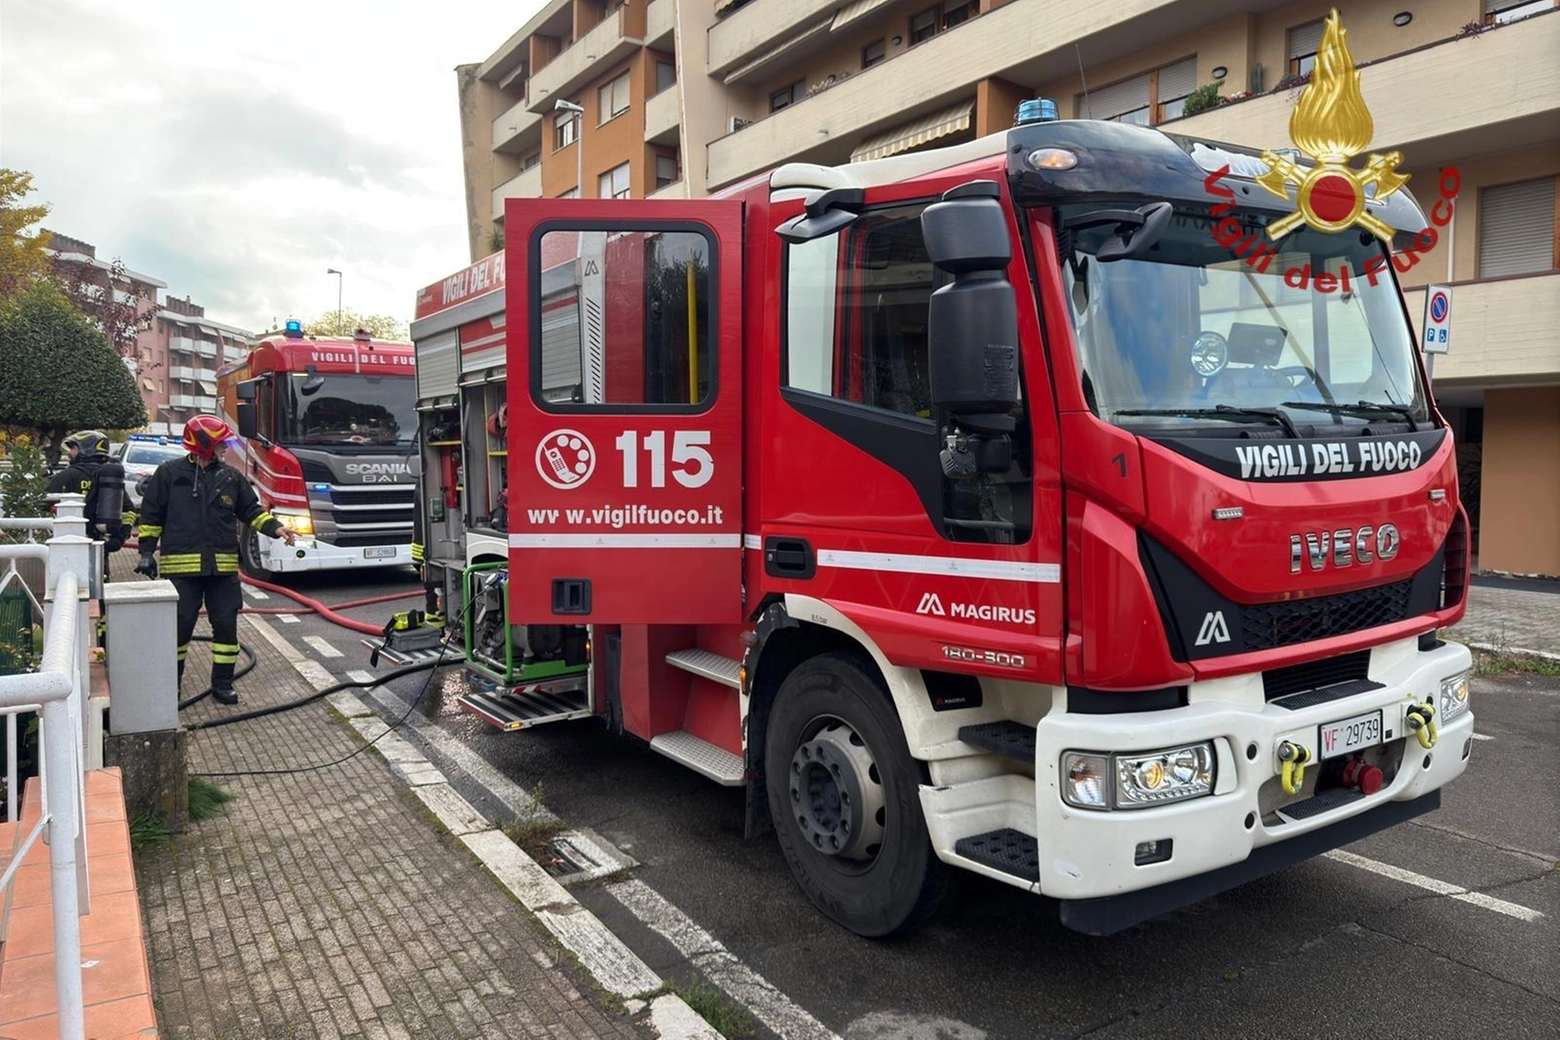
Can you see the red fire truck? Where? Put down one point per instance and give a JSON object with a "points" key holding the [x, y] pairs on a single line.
{"points": [[971, 508], [328, 427]]}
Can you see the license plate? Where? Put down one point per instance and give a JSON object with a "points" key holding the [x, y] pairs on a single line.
{"points": [[1340, 738], [379, 552]]}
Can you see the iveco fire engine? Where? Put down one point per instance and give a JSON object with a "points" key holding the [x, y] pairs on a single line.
{"points": [[328, 427], [985, 507]]}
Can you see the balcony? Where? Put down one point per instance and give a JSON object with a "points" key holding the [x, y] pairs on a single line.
{"points": [[740, 37], [517, 129], [192, 401], [1504, 331], [662, 117], [234, 353], [604, 45], [674, 190], [527, 185], [1011, 41], [185, 372], [1513, 100], [181, 344], [204, 349], [660, 22]]}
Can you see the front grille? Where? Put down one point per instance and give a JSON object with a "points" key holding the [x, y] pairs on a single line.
{"points": [[1280, 682], [400, 514], [352, 541], [350, 506], [1266, 626], [1454, 579]]}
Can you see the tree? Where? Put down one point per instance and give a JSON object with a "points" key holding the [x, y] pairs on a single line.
{"points": [[22, 256], [111, 300], [24, 486], [380, 326], [58, 373]]}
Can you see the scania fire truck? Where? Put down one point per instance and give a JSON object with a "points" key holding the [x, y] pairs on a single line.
{"points": [[328, 427], [985, 507]]}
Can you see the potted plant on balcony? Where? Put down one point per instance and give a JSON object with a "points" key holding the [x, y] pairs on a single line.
{"points": [[1203, 98]]}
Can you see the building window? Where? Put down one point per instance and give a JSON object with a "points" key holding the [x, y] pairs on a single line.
{"points": [[666, 171], [1517, 228], [1303, 42], [612, 99], [923, 26], [665, 75], [787, 97], [614, 183], [1145, 100], [958, 12], [563, 130], [532, 159], [873, 53], [1499, 12]]}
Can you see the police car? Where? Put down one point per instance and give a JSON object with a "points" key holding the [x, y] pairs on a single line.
{"points": [[143, 453]]}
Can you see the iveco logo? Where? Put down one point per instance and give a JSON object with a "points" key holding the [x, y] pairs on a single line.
{"points": [[1346, 546]]}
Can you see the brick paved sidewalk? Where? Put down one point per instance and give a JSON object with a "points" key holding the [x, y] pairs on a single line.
{"points": [[1512, 618], [327, 904]]}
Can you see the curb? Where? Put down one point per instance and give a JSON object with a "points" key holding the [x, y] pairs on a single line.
{"points": [[1513, 651], [614, 967]]}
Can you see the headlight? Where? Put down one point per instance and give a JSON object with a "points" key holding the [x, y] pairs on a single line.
{"points": [[301, 523], [1454, 696], [1138, 780]]}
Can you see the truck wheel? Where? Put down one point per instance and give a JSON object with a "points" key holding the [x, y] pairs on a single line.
{"points": [[249, 555], [843, 794]]}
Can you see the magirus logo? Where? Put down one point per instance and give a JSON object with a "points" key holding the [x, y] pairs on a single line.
{"points": [[932, 604]]}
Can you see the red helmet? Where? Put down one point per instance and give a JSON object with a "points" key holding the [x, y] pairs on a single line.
{"points": [[204, 434]]}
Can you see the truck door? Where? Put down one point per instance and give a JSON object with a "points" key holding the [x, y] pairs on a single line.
{"points": [[624, 469]]}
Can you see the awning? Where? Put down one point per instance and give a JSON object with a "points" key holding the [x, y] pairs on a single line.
{"points": [[721, 5], [850, 12], [209, 388], [149, 385], [207, 329], [915, 133]]}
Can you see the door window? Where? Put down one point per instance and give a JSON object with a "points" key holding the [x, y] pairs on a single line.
{"points": [[650, 294]]}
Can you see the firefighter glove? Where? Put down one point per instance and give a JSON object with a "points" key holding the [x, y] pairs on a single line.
{"points": [[147, 566]]}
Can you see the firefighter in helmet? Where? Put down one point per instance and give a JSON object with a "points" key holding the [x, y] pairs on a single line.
{"points": [[88, 452], [189, 517]]}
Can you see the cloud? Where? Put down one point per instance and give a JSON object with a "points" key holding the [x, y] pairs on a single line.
{"points": [[236, 152]]}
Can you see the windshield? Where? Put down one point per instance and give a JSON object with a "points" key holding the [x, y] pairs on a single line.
{"points": [[1191, 328], [355, 410], [151, 454]]}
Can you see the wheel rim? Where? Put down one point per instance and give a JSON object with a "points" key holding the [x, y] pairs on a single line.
{"points": [[837, 792]]}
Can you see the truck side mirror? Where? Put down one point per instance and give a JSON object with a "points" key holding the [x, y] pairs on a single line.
{"points": [[972, 324], [248, 419]]}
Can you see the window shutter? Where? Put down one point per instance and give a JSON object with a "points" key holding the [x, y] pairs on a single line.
{"points": [[1305, 39], [1178, 80], [1517, 228], [1116, 100]]}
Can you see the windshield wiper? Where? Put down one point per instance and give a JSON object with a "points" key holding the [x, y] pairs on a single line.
{"points": [[1225, 412], [1363, 409]]}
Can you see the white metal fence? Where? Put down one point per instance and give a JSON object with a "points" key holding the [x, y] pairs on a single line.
{"points": [[57, 691]]}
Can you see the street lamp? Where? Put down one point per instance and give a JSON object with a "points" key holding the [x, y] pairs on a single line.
{"points": [[332, 270], [579, 143]]}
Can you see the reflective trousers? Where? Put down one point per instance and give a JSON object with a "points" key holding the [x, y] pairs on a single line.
{"points": [[223, 597]]}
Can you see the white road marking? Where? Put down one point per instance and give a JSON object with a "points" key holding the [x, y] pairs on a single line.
{"points": [[319, 643], [744, 985], [254, 593], [1482, 736], [360, 676], [287, 619], [1408, 877]]}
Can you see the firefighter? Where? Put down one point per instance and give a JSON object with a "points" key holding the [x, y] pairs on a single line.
{"points": [[88, 452], [190, 516]]}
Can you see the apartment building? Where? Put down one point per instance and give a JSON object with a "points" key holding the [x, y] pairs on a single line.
{"points": [[718, 91]]}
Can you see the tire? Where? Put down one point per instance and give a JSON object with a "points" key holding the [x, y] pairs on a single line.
{"points": [[249, 555], [885, 879]]}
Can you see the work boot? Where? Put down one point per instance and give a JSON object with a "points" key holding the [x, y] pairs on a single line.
{"points": [[224, 695]]}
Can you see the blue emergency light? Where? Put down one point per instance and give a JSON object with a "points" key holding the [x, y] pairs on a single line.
{"points": [[294, 329], [1035, 110]]}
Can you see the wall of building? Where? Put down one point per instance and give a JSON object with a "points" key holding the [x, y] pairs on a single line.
{"points": [[1520, 510], [481, 103], [1225, 43], [1371, 33]]}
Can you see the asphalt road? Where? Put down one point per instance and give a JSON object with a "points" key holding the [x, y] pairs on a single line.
{"points": [[1330, 947]]}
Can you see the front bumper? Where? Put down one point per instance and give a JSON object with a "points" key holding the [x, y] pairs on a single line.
{"points": [[309, 554], [1089, 855]]}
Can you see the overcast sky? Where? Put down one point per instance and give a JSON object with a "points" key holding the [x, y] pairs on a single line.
{"points": [[236, 151]]}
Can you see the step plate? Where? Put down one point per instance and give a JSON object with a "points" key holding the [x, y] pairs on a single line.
{"points": [[1013, 739], [1320, 803], [701, 756], [1010, 851], [711, 666], [402, 658], [516, 711]]}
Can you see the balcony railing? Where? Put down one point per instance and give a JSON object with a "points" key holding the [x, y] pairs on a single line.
{"points": [[516, 128], [674, 190], [1505, 330], [604, 45], [526, 185], [660, 22], [662, 117], [57, 692], [748, 33]]}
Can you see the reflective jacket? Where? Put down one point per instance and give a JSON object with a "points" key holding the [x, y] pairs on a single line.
{"points": [[190, 516]]}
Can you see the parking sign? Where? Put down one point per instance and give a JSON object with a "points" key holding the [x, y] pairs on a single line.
{"points": [[1437, 323]]}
